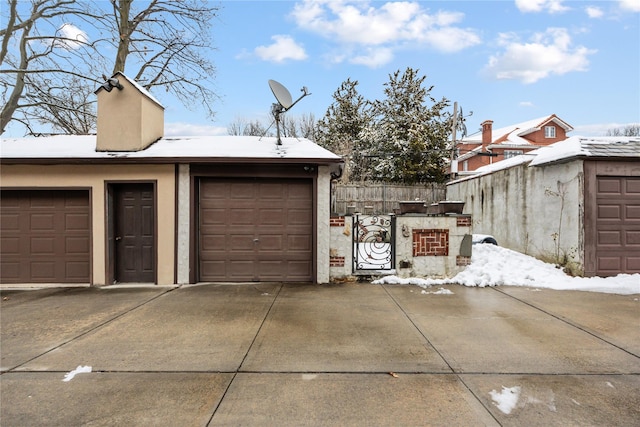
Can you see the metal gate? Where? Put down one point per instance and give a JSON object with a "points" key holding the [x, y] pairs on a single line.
{"points": [[373, 243]]}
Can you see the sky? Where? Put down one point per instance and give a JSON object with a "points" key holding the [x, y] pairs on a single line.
{"points": [[507, 61], [493, 265]]}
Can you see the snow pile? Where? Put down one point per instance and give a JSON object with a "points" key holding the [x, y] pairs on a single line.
{"points": [[494, 266]]}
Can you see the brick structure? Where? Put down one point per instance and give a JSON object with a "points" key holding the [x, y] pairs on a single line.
{"points": [[463, 221], [336, 261], [336, 221], [462, 261], [430, 242]]}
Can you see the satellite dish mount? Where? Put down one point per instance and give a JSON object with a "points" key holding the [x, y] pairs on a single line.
{"points": [[285, 102]]}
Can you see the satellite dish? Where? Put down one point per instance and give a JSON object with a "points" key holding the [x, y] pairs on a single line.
{"points": [[285, 102], [281, 93]]}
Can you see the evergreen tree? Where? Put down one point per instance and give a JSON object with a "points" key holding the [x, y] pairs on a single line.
{"points": [[408, 139], [339, 130]]}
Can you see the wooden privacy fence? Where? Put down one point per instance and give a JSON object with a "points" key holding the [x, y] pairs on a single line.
{"points": [[381, 198]]}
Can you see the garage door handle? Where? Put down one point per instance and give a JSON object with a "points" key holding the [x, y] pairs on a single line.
{"points": [[256, 240], [118, 238]]}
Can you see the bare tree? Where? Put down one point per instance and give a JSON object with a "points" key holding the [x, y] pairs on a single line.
{"points": [[166, 41], [240, 126], [629, 130], [31, 47], [48, 73]]}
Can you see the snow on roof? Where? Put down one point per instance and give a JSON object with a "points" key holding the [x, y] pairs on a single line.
{"points": [[570, 148], [193, 147], [135, 84], [512, 134]]}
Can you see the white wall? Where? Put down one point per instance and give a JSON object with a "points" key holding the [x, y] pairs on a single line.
{"points": [[534, 210]]}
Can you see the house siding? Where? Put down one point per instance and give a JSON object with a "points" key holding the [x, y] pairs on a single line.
{"points": [[96, 177]]}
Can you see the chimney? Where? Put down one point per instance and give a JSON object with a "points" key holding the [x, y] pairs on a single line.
{"points": [[129, 117], [487, 127]]}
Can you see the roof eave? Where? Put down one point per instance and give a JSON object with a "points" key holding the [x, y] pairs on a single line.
{"points": [[166, 160]]}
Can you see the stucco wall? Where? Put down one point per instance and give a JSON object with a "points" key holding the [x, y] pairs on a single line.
{"points": [[95, 178], [322, 221], [534, 210], [406, 264], [184, 225]]}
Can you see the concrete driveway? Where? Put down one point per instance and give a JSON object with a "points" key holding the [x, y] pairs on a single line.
{"points": [[301, 354]]}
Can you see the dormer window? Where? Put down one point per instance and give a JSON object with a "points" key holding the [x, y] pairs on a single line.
{"points": [[549, 131]]}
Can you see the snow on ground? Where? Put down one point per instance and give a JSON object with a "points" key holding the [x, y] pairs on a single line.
{"points": [[494, 266]]}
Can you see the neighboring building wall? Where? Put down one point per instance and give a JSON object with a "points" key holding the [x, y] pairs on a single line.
{"points": [[96, 177], [539, 138], [534, 210]]}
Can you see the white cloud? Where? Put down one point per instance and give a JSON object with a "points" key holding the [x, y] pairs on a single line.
{"points": [[374, 57], [632, 5], [71, 37], [552, 6], [364, 25], [526, 104], [594, 12], [282, 49], [547, 53]]}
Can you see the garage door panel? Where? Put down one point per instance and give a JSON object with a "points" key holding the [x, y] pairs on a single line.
{"points": [[44, 270], [273, 216], [300, 216], [42, 246], [632, 212], [241, 242], [271, 191], [242, 191], [42, 221], [243, 216], [260, 219], [45, 236], [9, 245], [10, 271], [77, 270], [617, 225], [633, 263], [632, 187], [271, 242], [299, 242], [9, 221], [76, 221]]}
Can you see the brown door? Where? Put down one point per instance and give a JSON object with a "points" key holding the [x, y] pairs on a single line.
{"points": [[255, 230], [134, 233], [45, 236], [617, 225]]}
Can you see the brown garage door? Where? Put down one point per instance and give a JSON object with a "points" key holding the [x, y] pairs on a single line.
{"points": [[44, 236], [255, 230], [618, 225]]}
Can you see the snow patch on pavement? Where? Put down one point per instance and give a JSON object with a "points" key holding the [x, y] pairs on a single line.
{"points": [[493, 265], [507, 399], [79, 370]]}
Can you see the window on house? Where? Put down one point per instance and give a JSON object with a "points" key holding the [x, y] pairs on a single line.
{"points": [[465, 166], [512, 153], [549, 131]]}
